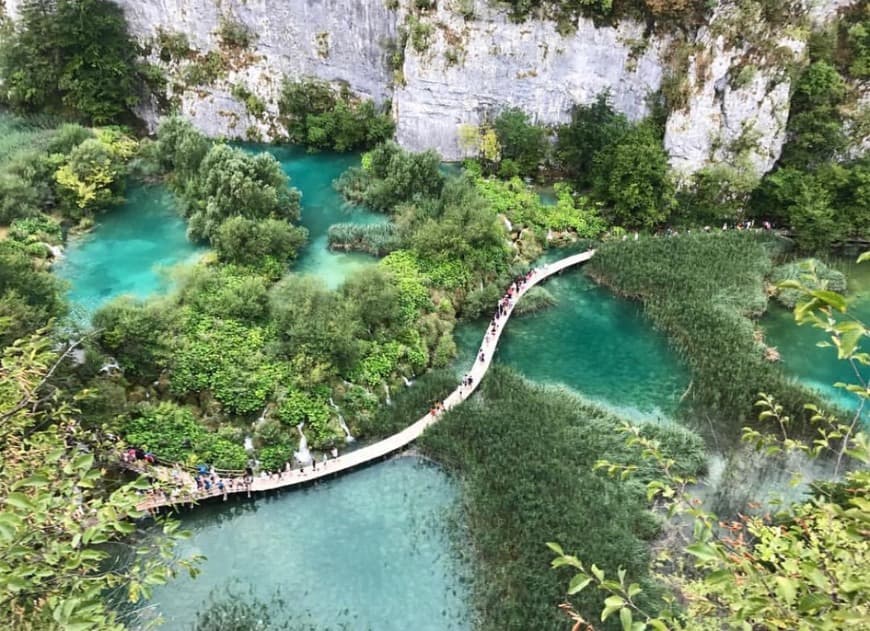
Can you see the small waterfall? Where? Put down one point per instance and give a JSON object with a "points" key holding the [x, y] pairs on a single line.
{"points": [[110, 366], [303, 456], [262, 416], [408, 382], [507, 224], [387, 391], [56, 251], [249, 443], [348, 438]]}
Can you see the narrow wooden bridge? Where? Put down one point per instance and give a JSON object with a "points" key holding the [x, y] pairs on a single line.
{"points": [[367, 454]]}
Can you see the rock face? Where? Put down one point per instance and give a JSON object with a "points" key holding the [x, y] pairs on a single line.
{"points": [[456, 70], [474, 68]]}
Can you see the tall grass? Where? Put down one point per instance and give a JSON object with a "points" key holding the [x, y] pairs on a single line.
{"points": [[524, 454], [409, 404], [19, 134], [705, 291], [375, 239]]}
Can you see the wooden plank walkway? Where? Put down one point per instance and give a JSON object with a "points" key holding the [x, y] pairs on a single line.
{"points": [[372, 452]]}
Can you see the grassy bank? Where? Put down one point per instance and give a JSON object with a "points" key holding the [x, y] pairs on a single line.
{"points": [[705, 291], [525, 455]]}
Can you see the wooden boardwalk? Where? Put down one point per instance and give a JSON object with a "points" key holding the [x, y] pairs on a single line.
{"points": [[370, 453]]}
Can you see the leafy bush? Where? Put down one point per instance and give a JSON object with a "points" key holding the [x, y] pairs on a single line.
{"points": [[321, 116], [250, 241], [390, 175], [205, 69], [812, 274], [226, 358], [234, 33], [172, 433], [36, 229]]}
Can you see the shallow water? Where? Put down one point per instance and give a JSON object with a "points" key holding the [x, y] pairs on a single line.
{"points": [[594, 343], [126, 250], [131, 244], [322, 206], [370, 549], [816, 367]]}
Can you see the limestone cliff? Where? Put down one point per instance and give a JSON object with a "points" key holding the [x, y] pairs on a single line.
{"points": [[459, 66]]}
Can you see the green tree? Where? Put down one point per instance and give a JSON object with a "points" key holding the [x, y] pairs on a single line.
{"points": [[521, 141], [815, 126], [249, 241], [180, 149], [592, 128], [232, 183], [60, 518], [71, 56], [137, 334], [632, 177], [313, 321]]}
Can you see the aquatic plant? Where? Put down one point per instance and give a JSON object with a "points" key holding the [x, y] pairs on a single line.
{"points": [[525, 456], [374, 239], [703, 290]]}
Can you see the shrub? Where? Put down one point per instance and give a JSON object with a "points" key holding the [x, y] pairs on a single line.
{"points": [[374, 239], [323, 117], [234, 33]]}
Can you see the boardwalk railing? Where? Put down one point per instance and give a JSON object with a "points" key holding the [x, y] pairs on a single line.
{"points": [[372, 452]]}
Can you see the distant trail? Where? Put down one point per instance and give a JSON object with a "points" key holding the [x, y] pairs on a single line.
{"points": [[377, 450]]}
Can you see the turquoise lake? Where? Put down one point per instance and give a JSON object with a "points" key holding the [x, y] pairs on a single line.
{"points": [[370, 550], [127, 250]]}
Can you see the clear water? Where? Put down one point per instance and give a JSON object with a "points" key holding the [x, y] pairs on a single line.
{"points": [[370, 549], [322, 206], [126, 250], [816, 367], [130, 245], [594, 343]]}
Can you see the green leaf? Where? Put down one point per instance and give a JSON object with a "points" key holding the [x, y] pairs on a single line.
{"points": [[625, 618], [786, 589], [597, 572], [658, 625], [865, 256], [813, 602], [21, 501], [578, 583], [611, 605], [555, 547], [703, 551], [831, 298]]}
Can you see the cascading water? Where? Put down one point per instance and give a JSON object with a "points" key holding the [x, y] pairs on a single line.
{"points": [[56, 251], [348, 438], [249, 443], [110, 366], [408, 382], [303, 456], [387, 392]]}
